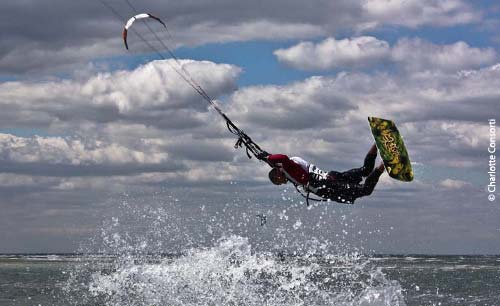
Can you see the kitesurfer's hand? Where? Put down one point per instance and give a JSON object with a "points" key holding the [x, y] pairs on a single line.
{"points": [[263, 155]]}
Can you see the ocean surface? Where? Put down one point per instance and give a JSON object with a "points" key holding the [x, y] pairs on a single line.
{"points": [[225, 256], [230, 273]]}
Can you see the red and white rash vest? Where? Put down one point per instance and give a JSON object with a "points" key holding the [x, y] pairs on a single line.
{"points": [[295, 168]]}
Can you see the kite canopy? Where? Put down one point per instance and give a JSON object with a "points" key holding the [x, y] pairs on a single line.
{"points": [[131, 21]]}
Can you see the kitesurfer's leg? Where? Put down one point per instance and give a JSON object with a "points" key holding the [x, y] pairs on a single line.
{"points": [[372, 180], [369, 162], [360, 190], [354, 176]]}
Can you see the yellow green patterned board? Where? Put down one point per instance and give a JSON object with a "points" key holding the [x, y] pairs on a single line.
{"points": [[391, 148]]}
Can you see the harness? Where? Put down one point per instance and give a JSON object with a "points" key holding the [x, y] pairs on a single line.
{"points": [[315, 174], [305, 192]]}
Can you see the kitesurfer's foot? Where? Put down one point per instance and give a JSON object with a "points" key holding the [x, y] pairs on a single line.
{"points": [[373, 150]]}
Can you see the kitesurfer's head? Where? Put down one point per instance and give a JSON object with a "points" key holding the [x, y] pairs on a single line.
{"points": [[277, 177]]}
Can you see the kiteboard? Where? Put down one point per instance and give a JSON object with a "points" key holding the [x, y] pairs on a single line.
{"points": [[391, 148]]}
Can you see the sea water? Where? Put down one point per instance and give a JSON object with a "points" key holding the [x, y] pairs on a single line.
{"points": [[229, 274], [133, 261]]}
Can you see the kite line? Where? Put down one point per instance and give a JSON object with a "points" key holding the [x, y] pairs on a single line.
{"points": [[243, 138]]}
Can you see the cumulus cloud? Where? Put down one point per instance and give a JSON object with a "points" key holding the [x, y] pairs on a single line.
{"points": [[58, 156], [152, 94], [332, 53], [324, 118], [122, 123], [415, 55], [58, 150], [419, 55], [297, 106]]}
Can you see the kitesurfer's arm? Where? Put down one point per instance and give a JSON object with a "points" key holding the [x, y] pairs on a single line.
{"points": [[262, 156], [279, 160]]}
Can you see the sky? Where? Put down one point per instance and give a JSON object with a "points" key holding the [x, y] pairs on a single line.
{"points": [[86, 125]]}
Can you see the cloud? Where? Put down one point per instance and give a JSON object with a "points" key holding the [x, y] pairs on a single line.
{"points": [[332, 53], [294, 107], [58, 156], [413, 55], [415, 13], [419, 55], [210, 32], [122, 123], [36, 45], [70, 151], [323, 119], [152, 94], [454, 184], [91, 30], [8, 180]]}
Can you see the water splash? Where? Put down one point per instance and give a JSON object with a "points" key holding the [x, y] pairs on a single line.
{"points": [[226, 271], [229, 273]]}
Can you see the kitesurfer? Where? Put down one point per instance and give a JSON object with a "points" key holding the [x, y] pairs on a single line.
{"points": [[343, 187]]}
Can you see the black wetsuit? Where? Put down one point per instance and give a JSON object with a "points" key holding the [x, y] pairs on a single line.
{"points": [[345, 187]]}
